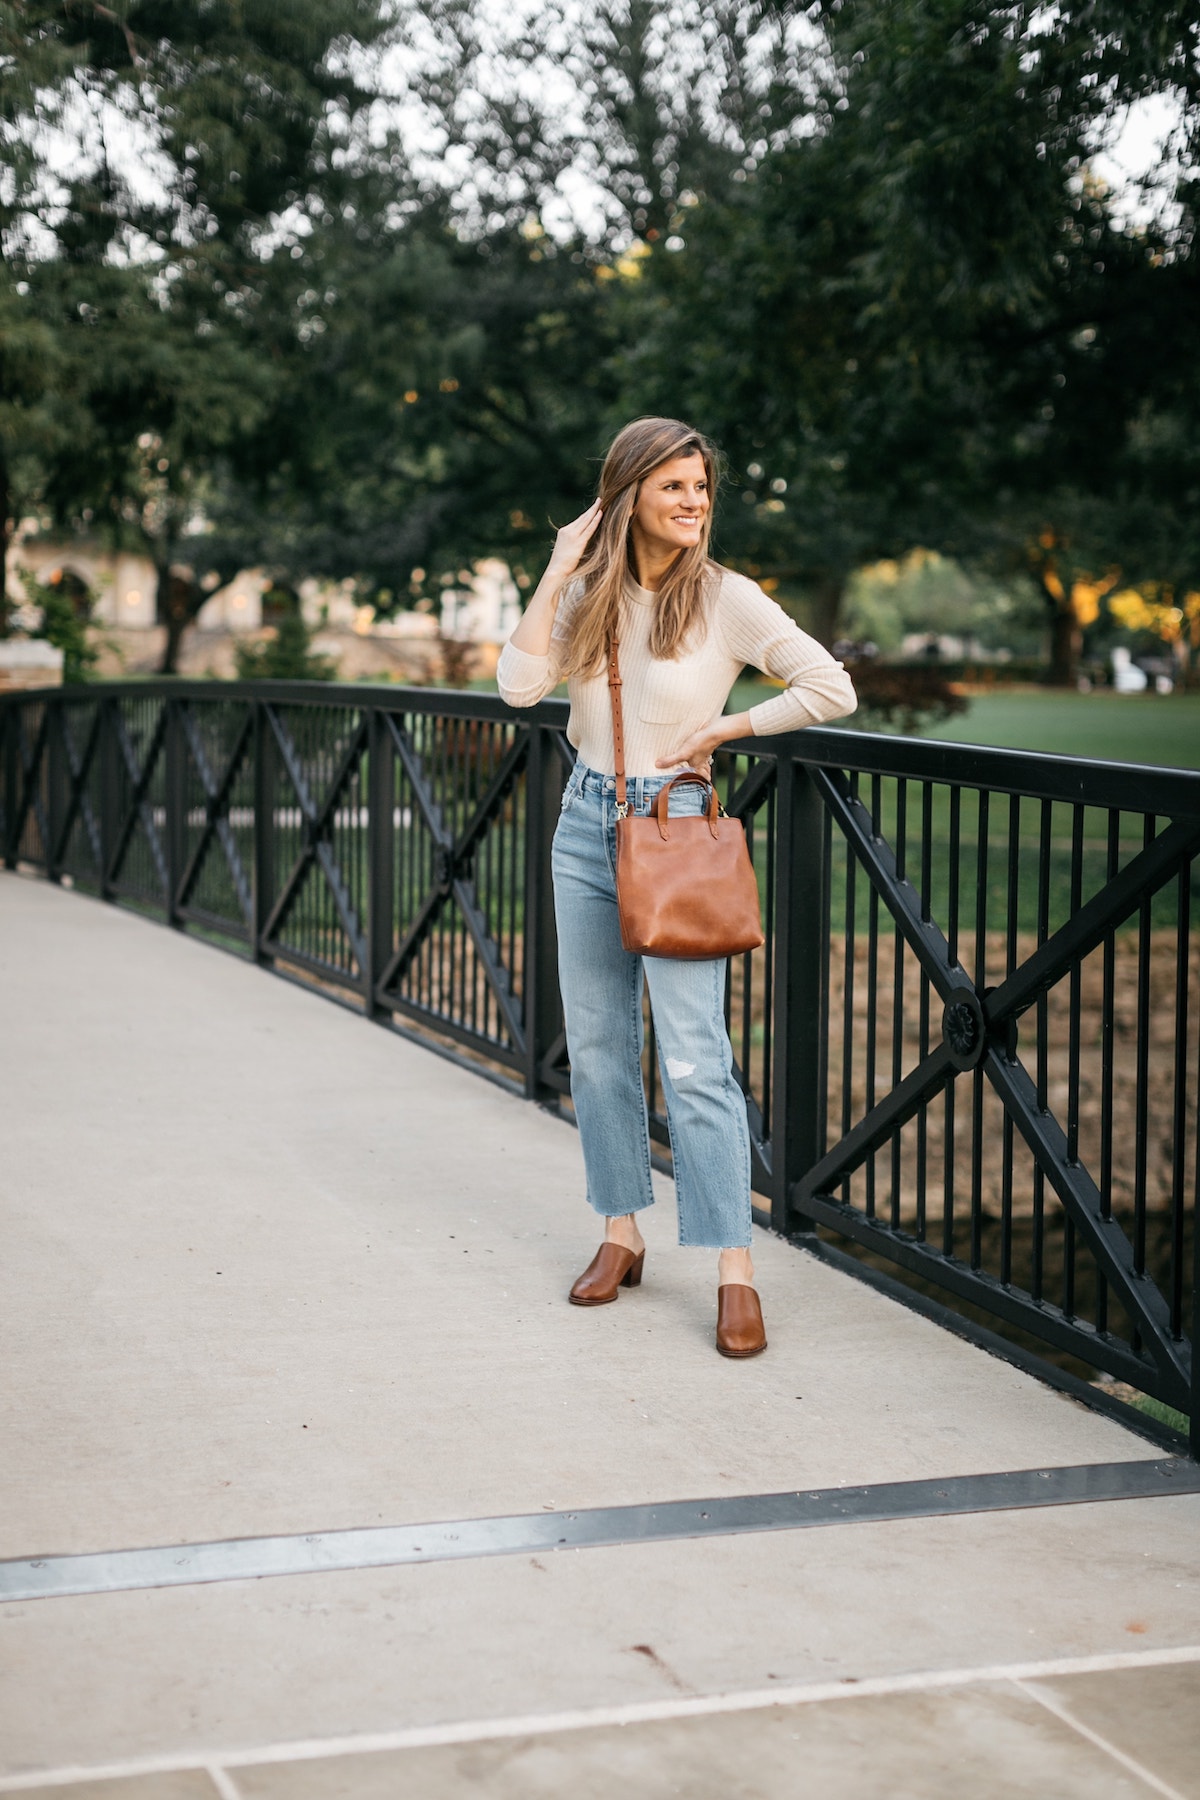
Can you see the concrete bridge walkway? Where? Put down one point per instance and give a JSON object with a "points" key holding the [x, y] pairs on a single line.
{"points": [[268, 1272]]}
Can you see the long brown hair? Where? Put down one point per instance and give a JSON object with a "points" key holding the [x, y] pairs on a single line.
{"points": [[607, 564]]}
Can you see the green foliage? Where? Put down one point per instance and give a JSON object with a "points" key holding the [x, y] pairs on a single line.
{"points": [[659, 104], [932, 328], [869, 257], [1164, 1414], [446, 410], [144, 342], [863, 246], [927, 593], [62, 623], [287, 656], [466, 365]]}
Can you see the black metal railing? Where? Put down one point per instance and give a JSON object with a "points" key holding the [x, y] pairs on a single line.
{"points": [[969, 1045]]}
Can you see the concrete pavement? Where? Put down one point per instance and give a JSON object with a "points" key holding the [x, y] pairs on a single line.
{"points": [[268, 1270]]}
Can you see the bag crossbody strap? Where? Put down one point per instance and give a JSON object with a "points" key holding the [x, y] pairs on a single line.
{"points": [[614, 694]]}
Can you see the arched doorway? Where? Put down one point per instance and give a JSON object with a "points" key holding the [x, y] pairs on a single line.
{"points": [[279, 602]]}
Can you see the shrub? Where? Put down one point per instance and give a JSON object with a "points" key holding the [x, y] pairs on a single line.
{"points": [[64, 623], [902, 696], [288, 656]]}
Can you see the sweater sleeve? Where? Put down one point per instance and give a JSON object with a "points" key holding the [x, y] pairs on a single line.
{"points": [[758, 632], [523, 679]]}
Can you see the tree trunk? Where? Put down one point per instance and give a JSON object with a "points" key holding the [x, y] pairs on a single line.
{"points": [[1066, 640], [826, 606], [170, 656], [172, 608]]}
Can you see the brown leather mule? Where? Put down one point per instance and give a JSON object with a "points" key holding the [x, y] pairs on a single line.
{"points": [[611, 1268], [740, 1329]]}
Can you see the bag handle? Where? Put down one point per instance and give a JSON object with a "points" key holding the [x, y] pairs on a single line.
{"points": [[662, 810]]}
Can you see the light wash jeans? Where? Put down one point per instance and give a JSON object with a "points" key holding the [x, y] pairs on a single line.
{"points": [[602, 997]]}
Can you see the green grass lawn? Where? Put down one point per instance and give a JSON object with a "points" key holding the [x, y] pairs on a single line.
{"points": [[1131, 728]]}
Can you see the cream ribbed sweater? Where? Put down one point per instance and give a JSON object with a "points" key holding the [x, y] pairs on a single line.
{"points": [[663, 702]]}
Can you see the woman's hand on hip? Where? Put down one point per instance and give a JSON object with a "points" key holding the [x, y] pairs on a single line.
{"points": [[697, 750], [572, 541]]}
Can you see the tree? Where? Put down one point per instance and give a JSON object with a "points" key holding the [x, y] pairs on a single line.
{"points": [[467, 361], [639, 105], [926, 593], [36, 66], [870, 256], [863, 245], [152, 355], [937, 331], [448, 408]]}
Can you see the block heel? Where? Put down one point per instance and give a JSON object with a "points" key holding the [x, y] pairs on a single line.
{"points": [[633, 1275]]}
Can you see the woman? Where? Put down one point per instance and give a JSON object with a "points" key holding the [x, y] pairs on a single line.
{"points": [[636, 564]]}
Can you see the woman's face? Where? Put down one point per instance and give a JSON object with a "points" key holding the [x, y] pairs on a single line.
{"points": [[673, 503]]}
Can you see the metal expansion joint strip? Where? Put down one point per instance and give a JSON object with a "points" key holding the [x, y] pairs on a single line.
{"points": [[242, 1559]]}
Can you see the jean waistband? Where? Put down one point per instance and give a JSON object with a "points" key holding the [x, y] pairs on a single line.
{"points": [[640, 788]]}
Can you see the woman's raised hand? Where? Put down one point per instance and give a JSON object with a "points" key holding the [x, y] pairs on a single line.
{"points": [[536, 624], [572, 541]]}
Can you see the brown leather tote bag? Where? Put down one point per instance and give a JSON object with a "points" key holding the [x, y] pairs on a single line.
{"points": [[685, 887]]}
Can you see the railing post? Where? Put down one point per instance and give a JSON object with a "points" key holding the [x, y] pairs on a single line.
{"points": [[56, 783], [108, 754], [543, 1006], [381, 856], [175, 791], [798, 1000], [265, 787], [10, 751]]}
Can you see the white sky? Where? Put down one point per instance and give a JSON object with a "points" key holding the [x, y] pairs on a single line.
{"points": [[1133, 162]]}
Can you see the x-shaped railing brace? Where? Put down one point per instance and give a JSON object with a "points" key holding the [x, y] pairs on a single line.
{"points": [[139, 775], [454, 857], [747, 796], [316, 824], [979, 1031], [79, 766], [30, 765], [216, 802]]}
